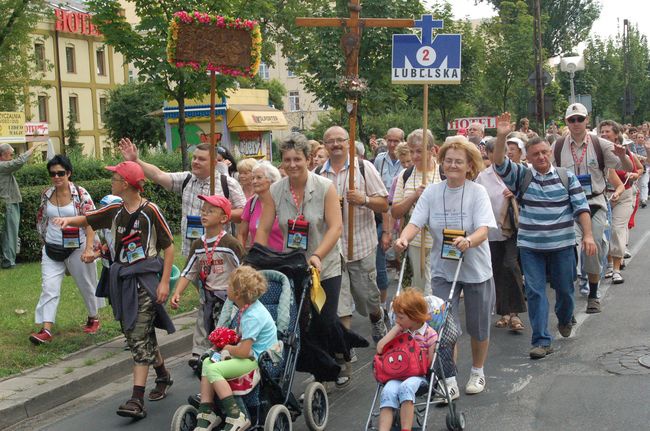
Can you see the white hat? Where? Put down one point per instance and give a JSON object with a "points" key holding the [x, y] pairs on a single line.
{"points": [[576, 109], [519, 143]]}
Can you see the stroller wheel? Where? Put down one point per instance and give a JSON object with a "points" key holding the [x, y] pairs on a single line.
{"points": [[455, 420], [184, 418], [278, 419], [316, 406]]}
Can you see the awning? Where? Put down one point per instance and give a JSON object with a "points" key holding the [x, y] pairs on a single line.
{"points": [[255, 118]]}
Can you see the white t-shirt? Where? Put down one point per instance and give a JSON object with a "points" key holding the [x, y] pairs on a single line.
{"points": [[53, 234], [467, 208]]}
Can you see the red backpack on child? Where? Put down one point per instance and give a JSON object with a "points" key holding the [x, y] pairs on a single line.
{"points": [[402, 357]]}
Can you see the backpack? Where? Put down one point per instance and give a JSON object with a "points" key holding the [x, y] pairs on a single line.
{"points": [[409, 171], [559, 144], [528, 178], [402, 357], [224, 185]]}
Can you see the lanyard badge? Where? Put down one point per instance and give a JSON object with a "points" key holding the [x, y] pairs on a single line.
{"points": [[133, 246], [194, 228], [298, 233], [71, 237], [448, 250], [585, 182]]}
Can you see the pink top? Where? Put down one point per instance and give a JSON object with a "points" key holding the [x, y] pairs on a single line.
{"points": [[253, 218]]}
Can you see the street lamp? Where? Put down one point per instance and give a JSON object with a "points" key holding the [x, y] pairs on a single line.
{"points": [[572, 65]]}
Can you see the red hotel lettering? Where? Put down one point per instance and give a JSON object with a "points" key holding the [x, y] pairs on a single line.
{"points": [[75, 22]]}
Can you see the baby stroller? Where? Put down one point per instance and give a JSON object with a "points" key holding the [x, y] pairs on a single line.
{"points": [[272, 405], [441, 366]]}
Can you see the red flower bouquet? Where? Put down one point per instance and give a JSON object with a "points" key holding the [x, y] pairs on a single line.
{"points": [[222, 337]]}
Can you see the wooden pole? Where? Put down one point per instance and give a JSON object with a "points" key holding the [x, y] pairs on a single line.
{"points": [[353, 128], [425, 174], [213, 126]]}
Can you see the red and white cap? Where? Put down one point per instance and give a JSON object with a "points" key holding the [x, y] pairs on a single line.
{"points": [[219, 202], [131, 172]]}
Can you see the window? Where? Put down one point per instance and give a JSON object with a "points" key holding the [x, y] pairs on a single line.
{"points": [[290, 73], [70, 59], [290, 64], [264, 71], [101, 62], [107, 152], [102, 109], [74, 107], [39, 53], [294, 101], [42, 108]]}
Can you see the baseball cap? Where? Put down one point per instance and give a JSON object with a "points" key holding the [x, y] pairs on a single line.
{"points": [[576, 109], [219, 202], [131, 172], [110, 199]]}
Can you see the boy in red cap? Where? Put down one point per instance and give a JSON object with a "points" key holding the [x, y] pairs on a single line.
{"points": [[213, 257], [139, 278]]}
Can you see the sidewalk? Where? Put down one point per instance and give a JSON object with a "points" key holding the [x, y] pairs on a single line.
{"points": [[40, 389]]}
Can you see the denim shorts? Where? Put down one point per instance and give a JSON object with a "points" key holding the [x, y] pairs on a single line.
{"points": [[395, 392]]}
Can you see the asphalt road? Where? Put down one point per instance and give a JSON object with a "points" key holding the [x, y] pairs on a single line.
{"points": [[592, 382]]}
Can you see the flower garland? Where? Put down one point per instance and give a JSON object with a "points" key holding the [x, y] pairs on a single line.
{"points": [[200, 19], [352, 85]]}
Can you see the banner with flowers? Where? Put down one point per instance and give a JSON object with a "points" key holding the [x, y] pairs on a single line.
{"points": [[230, 46]]}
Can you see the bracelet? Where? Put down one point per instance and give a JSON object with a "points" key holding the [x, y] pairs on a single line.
{"points": [[367, 201], [319, 258], [469, 241]]}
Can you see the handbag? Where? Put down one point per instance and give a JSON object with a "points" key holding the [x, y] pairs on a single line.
{"points": [[402, 357], [57, 252]]}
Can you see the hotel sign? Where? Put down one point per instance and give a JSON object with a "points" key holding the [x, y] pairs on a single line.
{"points": [[75, 22], [12, 127]]}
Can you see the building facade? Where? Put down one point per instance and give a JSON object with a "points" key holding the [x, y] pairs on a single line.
{"points": [[79, 69]]}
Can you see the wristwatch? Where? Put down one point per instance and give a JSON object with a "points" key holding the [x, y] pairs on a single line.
{"points": [[367, 201]]}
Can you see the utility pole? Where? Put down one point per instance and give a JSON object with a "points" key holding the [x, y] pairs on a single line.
{"points": [[628, 109], [539, 59]]}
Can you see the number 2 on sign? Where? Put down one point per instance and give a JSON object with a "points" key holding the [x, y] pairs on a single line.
{"points": [[426, 56]]}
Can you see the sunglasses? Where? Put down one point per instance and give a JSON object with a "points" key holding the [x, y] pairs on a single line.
{"points": [[57, 174], [576, 119]]}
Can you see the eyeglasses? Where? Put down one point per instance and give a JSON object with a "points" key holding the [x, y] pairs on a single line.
{"points": [[576, 119], [57, 174], [335, 141], [208, 211], [117, 180], [456, 162]]}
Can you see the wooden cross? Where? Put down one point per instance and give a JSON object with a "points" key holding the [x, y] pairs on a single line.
{"points": [[351, 43]]}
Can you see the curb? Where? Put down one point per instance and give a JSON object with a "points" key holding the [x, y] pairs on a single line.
{"points": [[41, 389]]}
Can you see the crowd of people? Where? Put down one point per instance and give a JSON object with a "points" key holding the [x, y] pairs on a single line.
{"points": [[522, 210]]}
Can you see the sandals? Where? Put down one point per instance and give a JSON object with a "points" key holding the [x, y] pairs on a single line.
{"points": [[503, 322], [516, 324], [593, 306], [133, 408], [162, 386]]}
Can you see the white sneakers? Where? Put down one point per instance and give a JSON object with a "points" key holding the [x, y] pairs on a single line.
{"points": [[454, 392], [475, 385]]}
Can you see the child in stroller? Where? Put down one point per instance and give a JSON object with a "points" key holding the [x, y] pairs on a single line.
{"points": [[258, 333]]}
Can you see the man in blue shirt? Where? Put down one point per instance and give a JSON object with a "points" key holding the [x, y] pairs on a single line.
{"points": [[546, 237]]}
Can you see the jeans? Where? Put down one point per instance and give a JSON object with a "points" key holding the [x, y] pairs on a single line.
{"points": [[395, 392], [382, 274], [561, 265]]}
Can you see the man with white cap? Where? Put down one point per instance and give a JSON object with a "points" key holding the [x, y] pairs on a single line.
{"points": [[589, 157]]}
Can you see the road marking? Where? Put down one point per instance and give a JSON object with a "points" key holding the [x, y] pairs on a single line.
{"points": [[520, 384], [637, 247]]}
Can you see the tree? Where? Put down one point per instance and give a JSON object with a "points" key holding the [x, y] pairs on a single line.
{"points": [[565, 23], [316, 56], [509, 57], [17, 65], [276, 89], [145, 44], [127, 114], [72, 136]]}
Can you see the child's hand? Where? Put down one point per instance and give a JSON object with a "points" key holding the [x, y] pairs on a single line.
{"points": [[175, 301], [61, 222], [162, 292]]}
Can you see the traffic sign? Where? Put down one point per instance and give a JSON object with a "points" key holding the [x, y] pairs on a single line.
{"points": [[425, 60], [546, 78]]}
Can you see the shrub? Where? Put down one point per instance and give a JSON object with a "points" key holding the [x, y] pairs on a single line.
{"points": [[30, 249]]}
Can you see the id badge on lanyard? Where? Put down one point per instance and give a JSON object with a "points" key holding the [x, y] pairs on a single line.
{"points": [[298, 234], [194, 228], [448, 250], [132, 244], [71, 237], [585, 182]]}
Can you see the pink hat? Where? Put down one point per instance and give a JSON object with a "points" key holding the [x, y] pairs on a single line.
{"points": [[131, 172], [219, 202]]}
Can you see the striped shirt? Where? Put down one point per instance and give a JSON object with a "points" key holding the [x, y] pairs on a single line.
{"points": [[365, 229], [546, 218], [226, 258]]}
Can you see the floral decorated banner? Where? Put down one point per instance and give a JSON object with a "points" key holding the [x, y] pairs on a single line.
{"points": [[230, 46]]}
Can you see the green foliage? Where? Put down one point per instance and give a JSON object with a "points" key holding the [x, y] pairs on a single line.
{"points": [[145, 44], [127, 114], [276, 89], [17, 65], [72, 135]]}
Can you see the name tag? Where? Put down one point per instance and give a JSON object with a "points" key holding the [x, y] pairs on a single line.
{"points": [[585, 182], [132, 244], [194, 228], [448, 250], [71, 237], [216, 357], [298, 234]]}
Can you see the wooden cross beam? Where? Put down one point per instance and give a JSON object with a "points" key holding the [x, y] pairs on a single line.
{"points": [[351, 43]]}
